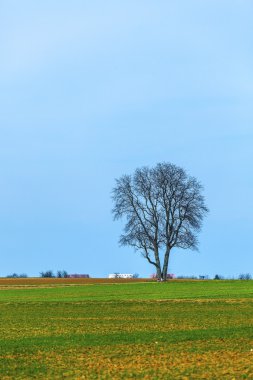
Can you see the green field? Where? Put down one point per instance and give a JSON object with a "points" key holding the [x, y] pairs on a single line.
{"points": [[174, 330]]}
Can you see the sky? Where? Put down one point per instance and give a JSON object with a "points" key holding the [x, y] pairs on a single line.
{"points": [[92, 90]]}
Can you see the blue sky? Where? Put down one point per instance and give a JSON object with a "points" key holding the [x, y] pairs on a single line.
{"points": [[90, 91]]}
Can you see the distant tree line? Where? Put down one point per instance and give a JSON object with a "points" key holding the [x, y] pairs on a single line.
{"points": [[246, 276], [64, 274], [15, 275], [50, 274], [242, 276]]}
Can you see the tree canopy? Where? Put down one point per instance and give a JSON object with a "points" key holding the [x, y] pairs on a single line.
{"points": [[163, 208]]}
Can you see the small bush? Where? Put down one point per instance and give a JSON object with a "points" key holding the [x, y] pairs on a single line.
{"points": [[170, 276], [245, 276], [47, 274], [187, 277], [15, 275], [62, 274], [218, 277], [50, 274]]}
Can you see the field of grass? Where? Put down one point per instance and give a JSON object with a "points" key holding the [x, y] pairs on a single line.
{"points": [[134, 330]]}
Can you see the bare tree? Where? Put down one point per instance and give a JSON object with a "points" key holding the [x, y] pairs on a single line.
{"points": [[163, 207]]}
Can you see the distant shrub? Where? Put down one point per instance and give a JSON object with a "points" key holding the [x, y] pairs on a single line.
{"points": [[187, 277], [169, 276], [48, 274], [15, 275], [218, 277], [62, 274], [229, 278], [136, 275], [23, 275], [245, 276]]}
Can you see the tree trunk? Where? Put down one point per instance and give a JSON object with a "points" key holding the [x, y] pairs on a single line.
{"points": [[158, 265], [158, 273], [165, 264]]}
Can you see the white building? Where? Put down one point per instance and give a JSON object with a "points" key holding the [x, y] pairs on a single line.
{"points": [[121, 275]]}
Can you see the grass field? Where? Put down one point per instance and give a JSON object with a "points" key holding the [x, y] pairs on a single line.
{"points": [[88, 329]]}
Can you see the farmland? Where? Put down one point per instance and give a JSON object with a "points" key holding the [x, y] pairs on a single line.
{"points": [[86, 329]]}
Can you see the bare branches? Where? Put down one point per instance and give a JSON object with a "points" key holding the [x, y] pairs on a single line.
{"points": [[163, 207]]}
